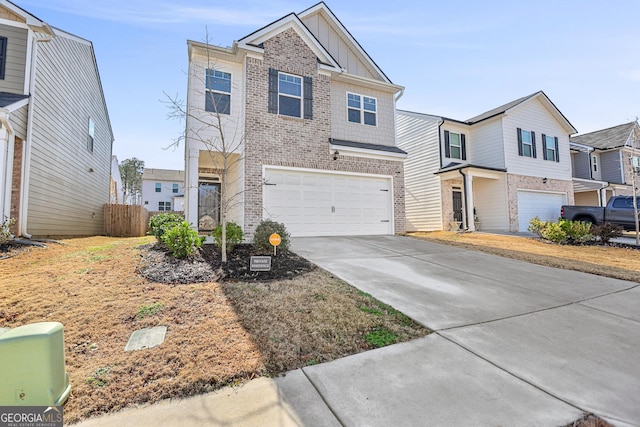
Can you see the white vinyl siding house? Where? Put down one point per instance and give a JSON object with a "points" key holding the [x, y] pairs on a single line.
{"points": [[487, 160]]}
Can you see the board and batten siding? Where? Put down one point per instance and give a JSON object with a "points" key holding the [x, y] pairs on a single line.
{"points": [[610, 165], [417, 134], [485, 146], [533, 115], [68, 184], [336, 46], [15, 67]]}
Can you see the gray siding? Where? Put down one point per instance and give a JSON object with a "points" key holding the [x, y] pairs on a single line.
{"points": [[16, 59], [580, 165], [65, 198], [610, 166], [417, 134]]}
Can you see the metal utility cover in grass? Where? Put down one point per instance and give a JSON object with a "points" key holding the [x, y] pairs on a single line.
{"points": [[146, 338]]}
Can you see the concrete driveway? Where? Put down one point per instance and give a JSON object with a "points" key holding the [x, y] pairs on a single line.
{"points": [[515, 343]]}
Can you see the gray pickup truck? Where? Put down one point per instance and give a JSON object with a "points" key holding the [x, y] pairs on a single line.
{"points": [[619, 211]]}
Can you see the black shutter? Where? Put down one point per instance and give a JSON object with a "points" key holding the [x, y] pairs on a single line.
{"points": [[544, 146], [308, 98], [447, 150], [3, 56], [557, 151], [463, 146], [519, 142], [533, 144], [273, 91]]}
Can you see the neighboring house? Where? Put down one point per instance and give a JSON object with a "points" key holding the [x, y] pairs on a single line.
{"points": [[311, 119], [163, 189], [56, 138], [503, 167], [603, 163]]}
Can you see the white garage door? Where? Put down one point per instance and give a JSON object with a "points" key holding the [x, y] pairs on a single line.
{"points": [[328, 204], [545, 206]]}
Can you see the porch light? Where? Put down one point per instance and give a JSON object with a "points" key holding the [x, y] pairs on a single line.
{"points": [[544, 180], [335, 155]]}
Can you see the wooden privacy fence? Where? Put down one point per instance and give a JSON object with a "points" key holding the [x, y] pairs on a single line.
{"points": [[125, 220]]}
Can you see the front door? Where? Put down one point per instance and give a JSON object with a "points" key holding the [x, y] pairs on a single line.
{"points": [[208, 206], [457, 206]]}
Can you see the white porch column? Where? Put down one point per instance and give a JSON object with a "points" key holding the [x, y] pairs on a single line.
{"points": [[191, 187], [469, 204]]}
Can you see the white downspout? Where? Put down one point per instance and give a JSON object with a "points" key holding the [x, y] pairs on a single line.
{"points": [[7, 178], [26, 146]]}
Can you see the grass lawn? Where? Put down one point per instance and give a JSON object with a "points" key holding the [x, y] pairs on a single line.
{"points": [[218, 333]]}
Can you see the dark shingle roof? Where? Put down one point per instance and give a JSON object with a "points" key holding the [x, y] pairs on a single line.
{"points": [[499, 110], [367, 146], [7, 98], [604, 139]]}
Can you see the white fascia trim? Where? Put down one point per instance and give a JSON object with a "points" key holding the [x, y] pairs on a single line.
{"points": [[366, 153], [31, 20], [595, 181], [325, 171], [10, 23], [293, 22], [581, 147], [372, 83], [15, 106], [526, 190]]}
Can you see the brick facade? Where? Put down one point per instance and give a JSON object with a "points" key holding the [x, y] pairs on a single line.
{"points": [[275, 140]]}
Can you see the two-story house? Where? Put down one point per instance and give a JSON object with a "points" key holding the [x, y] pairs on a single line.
{"points": [[495, 171], [162, 189], [55, 134], [604, 163], [308, 127]]}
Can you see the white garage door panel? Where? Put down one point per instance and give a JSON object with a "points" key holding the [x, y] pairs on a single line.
{"points": [[325, 204], [545, 206]]}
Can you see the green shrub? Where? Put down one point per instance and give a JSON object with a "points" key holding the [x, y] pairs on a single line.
{"points": [[606, 231], [5, 234], [536, 225], [182, 240], [265, 229], [234, 235], [160, 223], [576, 231]]}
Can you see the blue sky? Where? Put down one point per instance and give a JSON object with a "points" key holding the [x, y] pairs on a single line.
{"points": [[455, 59]]}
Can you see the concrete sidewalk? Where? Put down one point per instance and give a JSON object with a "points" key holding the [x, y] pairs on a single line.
{"points": [[515, 344]]}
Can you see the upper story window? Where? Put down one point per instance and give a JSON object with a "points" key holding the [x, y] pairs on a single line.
{"points": [[174, 189], [3, 56], [158, 187], [290, 95], [361, 109], [550, 148], [594, 162], [218, 93], [526, 143], [91, 135], [455, 145]]}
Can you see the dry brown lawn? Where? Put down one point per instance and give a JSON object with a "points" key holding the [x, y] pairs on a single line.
{"points": [[610, 261], [218, 334]]}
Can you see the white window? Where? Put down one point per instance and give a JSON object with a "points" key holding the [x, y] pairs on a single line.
{"points": [[175, 188], [527, 150], [455, 147], [289, 95], [91, 136], [361, 109], [550, 146], [595, 163], [164, 206], [158, 187], [218, 93]]}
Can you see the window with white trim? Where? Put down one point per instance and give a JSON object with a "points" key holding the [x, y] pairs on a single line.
{"points": [[595, 163], [526, 143], [454, 146], [91, 135], [289, 95], [550, 147], [174, 188], [218, 92], [164, 206], [158, 187], [361, 109]]}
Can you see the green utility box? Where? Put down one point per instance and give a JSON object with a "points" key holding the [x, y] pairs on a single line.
{"points": [[32, 369]]}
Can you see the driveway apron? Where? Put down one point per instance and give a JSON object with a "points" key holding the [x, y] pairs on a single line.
{"points": [[515, 343]]}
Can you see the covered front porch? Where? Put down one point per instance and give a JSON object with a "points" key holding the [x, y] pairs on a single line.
{"points": [[208, 195], [589, 192], [473, 198]]}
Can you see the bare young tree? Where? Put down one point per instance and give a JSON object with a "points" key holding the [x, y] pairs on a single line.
{"points": [[635, 169], [212, 125]]}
